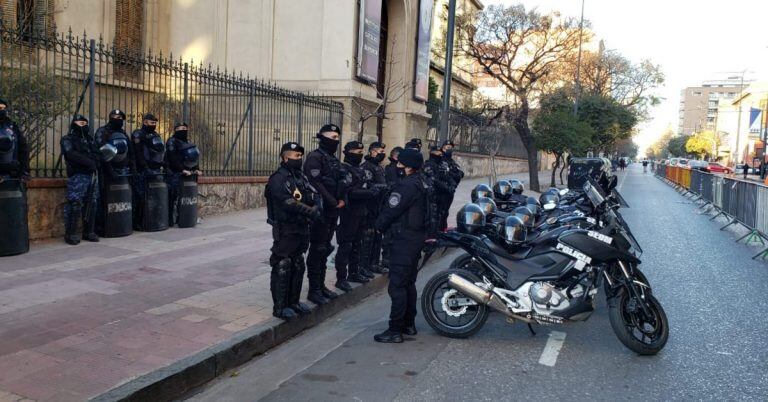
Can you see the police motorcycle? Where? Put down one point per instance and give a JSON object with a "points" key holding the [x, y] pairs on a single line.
{"points": [[551, 280]]}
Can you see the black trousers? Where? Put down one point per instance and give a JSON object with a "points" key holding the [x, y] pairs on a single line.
{"points": [[287, 262], [349, 236], [443, 209], [403, 269], [320, 236], [370, 247]]}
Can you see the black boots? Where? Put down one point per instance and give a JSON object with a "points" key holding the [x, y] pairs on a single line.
{"points": [[89, 224], [294, 287], [389, 336], [278, 284], [71, 235]]}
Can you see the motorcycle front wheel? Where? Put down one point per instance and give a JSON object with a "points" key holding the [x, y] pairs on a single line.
{"points": [[641, 333], [449, 312]]}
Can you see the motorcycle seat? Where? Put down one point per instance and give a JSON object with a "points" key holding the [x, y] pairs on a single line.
{"points": [[502, 252]]}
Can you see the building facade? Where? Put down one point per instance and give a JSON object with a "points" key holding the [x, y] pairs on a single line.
{"points": [[699, 105], [741, 123]]}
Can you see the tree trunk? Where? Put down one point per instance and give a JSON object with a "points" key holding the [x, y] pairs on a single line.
{"points": [[565, 165], [520, 122], [554, 169]]}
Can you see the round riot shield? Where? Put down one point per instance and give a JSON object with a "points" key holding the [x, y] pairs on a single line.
{"points": [[155, 204], [14, 232], [186, 204], [117, 209]]}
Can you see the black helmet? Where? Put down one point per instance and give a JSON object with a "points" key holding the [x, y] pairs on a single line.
{"points": [[470, 218], [488, 205], [514, 231], [156, 143], [121, 144], [502, 189], [549, 201], [517, 186], [191, 157], [527, 217], [552, 190], [532, 201], [481, 190]]}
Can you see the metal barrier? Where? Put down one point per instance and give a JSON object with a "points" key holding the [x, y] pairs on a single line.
{"points": [[741, 201]]}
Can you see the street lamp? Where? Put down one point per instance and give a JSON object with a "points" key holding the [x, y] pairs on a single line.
{"points": [[578, 63], [738, 122], [446, 108]]}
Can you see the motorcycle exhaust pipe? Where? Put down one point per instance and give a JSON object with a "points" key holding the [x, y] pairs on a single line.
{"points": [[482, 296]]}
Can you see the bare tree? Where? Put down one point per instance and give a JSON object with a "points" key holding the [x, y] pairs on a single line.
{"points": [[519, 49]]}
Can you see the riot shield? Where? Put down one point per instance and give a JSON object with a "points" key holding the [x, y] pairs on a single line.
{"points": [[14, 232], [155, 211], [187, 202], [117, 211]]}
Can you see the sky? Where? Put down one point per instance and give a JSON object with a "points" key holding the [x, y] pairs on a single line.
{"points": [[692, 40]]}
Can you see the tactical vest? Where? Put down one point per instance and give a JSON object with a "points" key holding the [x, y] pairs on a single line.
{"points": [[9, 144]]}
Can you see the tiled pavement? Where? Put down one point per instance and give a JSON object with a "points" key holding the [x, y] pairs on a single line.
{"points": [[78, 321]]}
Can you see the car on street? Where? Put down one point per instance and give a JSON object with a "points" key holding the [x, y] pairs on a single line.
{"points": [[716, 167], [682, 162], [673, 161], [697, 165]]}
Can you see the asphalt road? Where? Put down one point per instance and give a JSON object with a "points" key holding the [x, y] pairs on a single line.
{"points": [[714, 295]]}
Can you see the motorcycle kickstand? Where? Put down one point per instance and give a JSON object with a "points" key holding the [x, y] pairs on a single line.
{"points": [[530, 328]]}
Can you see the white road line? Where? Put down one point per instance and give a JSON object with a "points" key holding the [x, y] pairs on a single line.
{"points": [[552, 349]]}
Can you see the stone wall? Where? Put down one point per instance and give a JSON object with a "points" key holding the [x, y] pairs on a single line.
{"points": [[478, 166]]}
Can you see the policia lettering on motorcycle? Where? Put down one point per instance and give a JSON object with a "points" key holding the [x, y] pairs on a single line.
{"points": [[82, 158], [292, 205], [370, 249], [324, 172], [149, 150], [351, 223], [406, 216]]}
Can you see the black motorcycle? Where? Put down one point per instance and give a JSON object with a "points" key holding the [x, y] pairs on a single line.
{"points": [[552, 279]]}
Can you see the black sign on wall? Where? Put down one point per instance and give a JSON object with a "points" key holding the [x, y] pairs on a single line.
{"points": [[369, 37]]}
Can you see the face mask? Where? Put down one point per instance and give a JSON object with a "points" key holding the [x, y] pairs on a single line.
{"points": [[4, 114], [293, 164], [448, 154], [328, 144], [149, 129], [353, 159], [181, 134], [379, 158], [84, 130], [115, 124], [436, 157], [393, 160], [400, 172]]}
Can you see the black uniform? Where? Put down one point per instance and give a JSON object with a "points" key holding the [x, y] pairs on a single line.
{"points": [[393, 177], [149, 151], [370, 249], [292, 205], [352, 217], [14, 151], [82, 158], [439, 173], [122, 165], [390, 173], [406, 216], [180, 155], [454, 170], [325, 174]]}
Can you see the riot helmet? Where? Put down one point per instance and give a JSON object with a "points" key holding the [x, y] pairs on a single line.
{"points": [[502, 189], [156, 144], [481, 190], [190, 156], [470, 218], [120, 143], [517, 186], [514, 230], [549, 201], [488, 205], [108, 152], [527, 217]]}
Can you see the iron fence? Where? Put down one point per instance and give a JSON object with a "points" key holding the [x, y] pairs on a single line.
{"points": [[472, 134], [238, 122]]}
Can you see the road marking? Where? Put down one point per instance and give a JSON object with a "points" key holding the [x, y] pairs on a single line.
{"points": [[552, 349]]}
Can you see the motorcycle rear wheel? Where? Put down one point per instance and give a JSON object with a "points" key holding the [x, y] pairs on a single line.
{"points": [[642, 335], [460, 322]]}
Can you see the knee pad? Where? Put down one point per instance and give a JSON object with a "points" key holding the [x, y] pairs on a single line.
{"points": [[283, 266]]}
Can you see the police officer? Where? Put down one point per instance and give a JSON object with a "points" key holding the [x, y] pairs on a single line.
{"points": [[350, 231], [123, 164], [82, 158], [292, 205], [406, 215], [370, 249], [437, 170], [454, 170], [325, 174], [14, 151], [390, 172], [182, 158], [149, 151], [414, 143]]}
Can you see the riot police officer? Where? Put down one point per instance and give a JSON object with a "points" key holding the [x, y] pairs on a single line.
{"points": [[390, 172], [182, 159], [149, 151], [407, 215], [82, 158], [437, 170], [325, 174], [350, 231], [454, 170], [414, 143], [118, 169], [14, 151], [370, 249], [292, 205]]}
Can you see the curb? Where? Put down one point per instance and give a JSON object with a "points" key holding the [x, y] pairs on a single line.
{"points": [[174, 381]]}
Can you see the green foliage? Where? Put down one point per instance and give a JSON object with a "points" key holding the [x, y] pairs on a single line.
{"points": [[557, 130], [676, 145], [610, 120], [704, 143], [432, 91]]}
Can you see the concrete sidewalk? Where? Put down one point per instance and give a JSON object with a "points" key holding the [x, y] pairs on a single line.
{"points": [[77, 322]]}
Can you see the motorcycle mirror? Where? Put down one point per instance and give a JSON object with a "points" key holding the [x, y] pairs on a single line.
{"points": [[549, 206], [108, 152], [564, 191]]}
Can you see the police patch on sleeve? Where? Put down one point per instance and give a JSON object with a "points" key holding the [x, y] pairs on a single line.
{"points": [[315, 172], [394, 200]]}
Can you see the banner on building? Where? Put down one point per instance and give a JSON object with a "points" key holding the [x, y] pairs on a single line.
{"points": [[423, 41], [368, 40]]}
